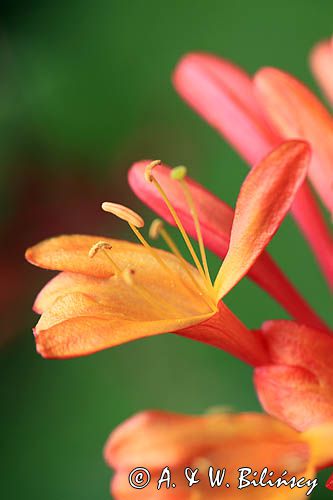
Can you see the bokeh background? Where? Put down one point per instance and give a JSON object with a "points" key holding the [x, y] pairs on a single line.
{"points": [[85, 90]]}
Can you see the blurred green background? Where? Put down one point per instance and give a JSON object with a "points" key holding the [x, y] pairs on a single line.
{"points": [[84, 91]]}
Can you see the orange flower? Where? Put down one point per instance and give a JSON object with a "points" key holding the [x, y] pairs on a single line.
{"points": [[296, 386], [155, 440], [126, 291], [321, 59]]}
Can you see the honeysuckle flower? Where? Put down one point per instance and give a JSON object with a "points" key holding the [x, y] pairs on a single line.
{"points": [[297, 385], [321, 60], [216, 218], [154, 440], [124, 291], [226, 97]]}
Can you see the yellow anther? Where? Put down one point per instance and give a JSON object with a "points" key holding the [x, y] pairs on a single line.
{"points": [[149, 168], [123, 213], [104, 246], [155, 229], [100, 245], [178, 173]]}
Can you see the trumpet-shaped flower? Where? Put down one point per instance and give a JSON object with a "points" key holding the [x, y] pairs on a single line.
{"points": [[321, 59], [296, 386], [110, 292], [231, 441], [227, 98]]}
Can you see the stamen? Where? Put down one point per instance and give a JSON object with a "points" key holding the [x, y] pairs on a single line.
{"points": [[123, 213], [103, 246], [179, 174], [150, 178], [98, 246], [149, 168], [157, 229]]}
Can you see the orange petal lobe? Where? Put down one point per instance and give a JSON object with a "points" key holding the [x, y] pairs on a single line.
{"points": [[77, 325], [264, 199]]}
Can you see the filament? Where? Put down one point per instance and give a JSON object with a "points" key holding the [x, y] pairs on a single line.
{"points": [[194, 214], [158, 229], [179, 225]]}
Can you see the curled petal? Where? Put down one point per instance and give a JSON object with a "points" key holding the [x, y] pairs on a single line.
{"points": [[297, 113], [77, 325], [264, 200], [321, 60]]}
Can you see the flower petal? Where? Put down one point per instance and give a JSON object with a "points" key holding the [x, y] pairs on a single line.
{"points": [[70, 253], [215, 218], [293, 395], [321, 60], [224, 95], [156, 439], [298, 345], [119, 309], [77, 325], [297, 386], [83, 313], [264, 199], [297, 113]]}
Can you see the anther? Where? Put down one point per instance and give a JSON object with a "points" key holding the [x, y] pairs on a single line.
{"points": [[178, 173], [123, 213], [100, 245], [155, 229], [149, 168]]}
